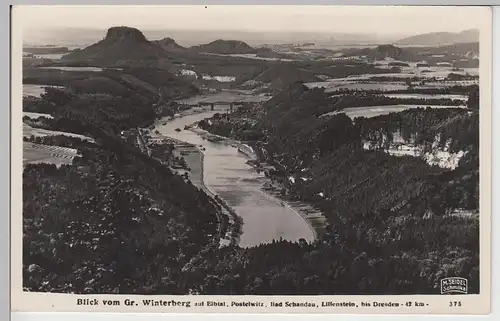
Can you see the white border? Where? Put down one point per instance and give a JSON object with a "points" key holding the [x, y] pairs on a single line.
{"points": [[485, 154]]}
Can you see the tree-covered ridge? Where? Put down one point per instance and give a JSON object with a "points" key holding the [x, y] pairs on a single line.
{"points": [[87, 114], [120, 211], [419, 127], [124, 82], [406, 257], [391, 228], [380, 207]]}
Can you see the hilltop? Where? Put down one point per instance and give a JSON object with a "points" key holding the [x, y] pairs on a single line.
{"points": [[381, 52], [278, 76], [225, 47], [387, 51], [120, 44], [169, 44], [441, 38]]}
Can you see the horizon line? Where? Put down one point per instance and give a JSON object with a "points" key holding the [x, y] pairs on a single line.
{"points": [[232, 30]]}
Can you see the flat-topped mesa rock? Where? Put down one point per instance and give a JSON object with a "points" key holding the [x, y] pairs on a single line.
{"points": [[124, 34], [226, 47], [121, 44]]}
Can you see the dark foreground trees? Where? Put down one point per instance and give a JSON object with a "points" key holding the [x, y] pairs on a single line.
{"points": [[96, 226], [118, 222]]}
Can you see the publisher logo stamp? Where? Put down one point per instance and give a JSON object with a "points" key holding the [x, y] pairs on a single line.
{"points": [[454, 285]]}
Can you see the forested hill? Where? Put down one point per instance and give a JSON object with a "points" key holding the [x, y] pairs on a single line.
{"points": [[441, 38], [383, 51], [278, 75], [119, 209], [126, 82], [329, 150], [225, 47], [170, 44], [394, 209]]}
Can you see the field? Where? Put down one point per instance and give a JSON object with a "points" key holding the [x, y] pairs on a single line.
{"points": [[373, 111], [37, 153], [94, 69], [427, 96], [34, 90], [367, 86], [28, 131], [36, 115], [334, 86]]}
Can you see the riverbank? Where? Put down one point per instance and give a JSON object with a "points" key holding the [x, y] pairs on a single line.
{"points": [[313, 217], [230, 225], [229, 222], [242, 148], [229, 174]]}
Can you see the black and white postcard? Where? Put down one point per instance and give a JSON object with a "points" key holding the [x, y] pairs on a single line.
{"points": [[251, 159]]}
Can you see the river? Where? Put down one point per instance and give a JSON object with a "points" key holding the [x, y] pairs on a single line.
{"points": [[227, 175]]}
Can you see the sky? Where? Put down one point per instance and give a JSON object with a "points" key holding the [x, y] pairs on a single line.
{"points": [[404, 21]]}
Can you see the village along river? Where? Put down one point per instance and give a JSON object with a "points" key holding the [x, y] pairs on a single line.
{"points": [[227, 175]]}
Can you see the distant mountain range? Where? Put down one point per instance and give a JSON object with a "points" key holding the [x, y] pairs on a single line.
{"points": [[126, 44], [187, 38], [441, 38]]}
